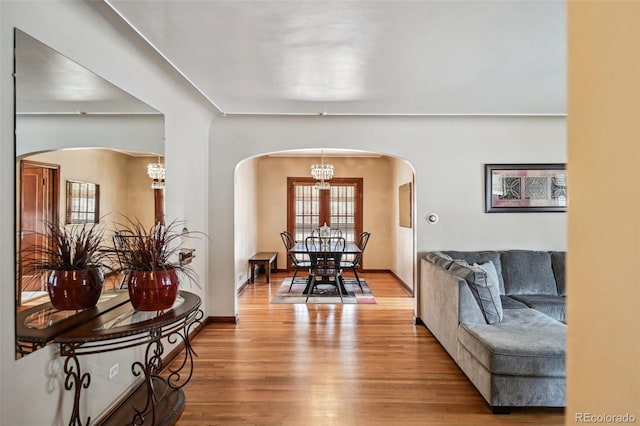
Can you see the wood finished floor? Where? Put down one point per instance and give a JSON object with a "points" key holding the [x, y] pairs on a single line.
{"points": [[328, 365]]}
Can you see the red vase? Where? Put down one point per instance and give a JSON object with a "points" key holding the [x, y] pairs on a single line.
{"points": [[75, 289], [152, 290]]}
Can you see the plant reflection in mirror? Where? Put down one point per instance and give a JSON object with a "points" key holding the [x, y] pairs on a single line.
{"points": [[74, 258], [70, 247]]}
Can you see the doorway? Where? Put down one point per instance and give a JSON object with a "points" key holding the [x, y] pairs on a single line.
{"points": [[39, 204], [264, 209]]}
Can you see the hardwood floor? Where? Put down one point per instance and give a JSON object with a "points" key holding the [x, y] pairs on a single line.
{"points": [[324, 365]]}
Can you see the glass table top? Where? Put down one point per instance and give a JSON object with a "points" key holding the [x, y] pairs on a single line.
{"points": [[132, 316], [50, 316]]}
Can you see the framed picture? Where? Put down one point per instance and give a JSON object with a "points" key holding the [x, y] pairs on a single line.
{"points": [[404, 207], [515, 188]]}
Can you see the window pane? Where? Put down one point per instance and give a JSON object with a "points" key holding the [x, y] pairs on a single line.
{"points": [[82, 202]]}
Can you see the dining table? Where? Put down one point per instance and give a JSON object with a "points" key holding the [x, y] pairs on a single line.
{"points": [[300, 248]]}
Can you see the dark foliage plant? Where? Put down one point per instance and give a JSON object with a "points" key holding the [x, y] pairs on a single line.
{"points": [[70, 247], [154, 248]]}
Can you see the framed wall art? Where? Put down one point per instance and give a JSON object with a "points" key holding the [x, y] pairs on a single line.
{"points": [[517, 188], [404, 210]]}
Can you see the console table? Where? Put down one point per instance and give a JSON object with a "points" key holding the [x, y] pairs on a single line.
{"points": [[122, 327], [37, 326]]}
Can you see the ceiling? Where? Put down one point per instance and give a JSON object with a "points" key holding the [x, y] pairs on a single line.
{"points": [[376, 57], [50, 83]]}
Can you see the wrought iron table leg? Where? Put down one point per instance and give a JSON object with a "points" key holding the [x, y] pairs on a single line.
{"points": [[193, 323], [74, 380], [151, 367]]}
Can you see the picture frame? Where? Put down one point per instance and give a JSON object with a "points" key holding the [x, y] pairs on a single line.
{"points": [[525, 188], [404, 205]]}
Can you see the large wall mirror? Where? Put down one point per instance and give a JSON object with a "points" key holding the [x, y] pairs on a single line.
{"points": [[73, 126]]}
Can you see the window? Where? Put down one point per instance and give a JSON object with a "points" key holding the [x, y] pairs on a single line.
{"points": [[340, 207], [342, 210], [83, 202]]}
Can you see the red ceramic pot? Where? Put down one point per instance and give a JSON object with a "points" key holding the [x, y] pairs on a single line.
{"points": [[75, 289], [152, 290]]}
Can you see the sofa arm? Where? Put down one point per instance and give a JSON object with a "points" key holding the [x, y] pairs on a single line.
{"points": [[444, 301]]}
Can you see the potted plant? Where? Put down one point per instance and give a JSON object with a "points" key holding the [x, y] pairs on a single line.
{"points": [[150, 256], [73, 258]]}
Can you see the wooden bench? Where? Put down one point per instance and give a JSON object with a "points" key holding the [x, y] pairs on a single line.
{"points": [[269, 259]]}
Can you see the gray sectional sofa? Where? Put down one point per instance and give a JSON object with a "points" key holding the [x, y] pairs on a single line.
{"points": [[501, 315]]}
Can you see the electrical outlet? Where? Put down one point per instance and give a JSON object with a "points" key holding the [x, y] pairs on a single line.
{"points": [[240, 277], [113, 371]]}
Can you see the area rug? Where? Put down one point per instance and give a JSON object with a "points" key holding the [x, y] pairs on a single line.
{"points": [[324, 293]]}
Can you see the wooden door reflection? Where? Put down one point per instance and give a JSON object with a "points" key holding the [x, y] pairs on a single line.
{"points": [[38, 205]]}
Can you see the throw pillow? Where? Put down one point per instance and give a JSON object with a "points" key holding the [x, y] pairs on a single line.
{"points": [[487, 292], [440, 259]]}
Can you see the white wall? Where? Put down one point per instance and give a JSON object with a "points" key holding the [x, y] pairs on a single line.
{"points": [[144, 133], [447, 153], [249, 210], [90, 34], [403, 242]]}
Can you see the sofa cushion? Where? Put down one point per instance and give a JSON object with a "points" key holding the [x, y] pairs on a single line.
{"points": [[558, 265], [525, 343], [553, 306], [487, 293], [488, 299], [472, 257], [509, 302], [528, 272]]}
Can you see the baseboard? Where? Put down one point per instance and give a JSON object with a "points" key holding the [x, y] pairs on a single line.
{"points": [[245, 284], [406, 287], [243, 287], [222, 320]]}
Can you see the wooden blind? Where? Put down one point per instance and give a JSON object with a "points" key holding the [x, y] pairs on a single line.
{"points": [[306, 210]]}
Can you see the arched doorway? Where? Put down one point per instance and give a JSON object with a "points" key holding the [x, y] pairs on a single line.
{"points": [[261, 207]]}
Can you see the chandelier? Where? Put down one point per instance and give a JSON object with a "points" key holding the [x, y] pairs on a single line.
{"points": [[156, 172], [322, 173]]}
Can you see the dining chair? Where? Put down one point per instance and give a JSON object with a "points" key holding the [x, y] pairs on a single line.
{"points": [[325, 255], [354, 264], [289, 241]]}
